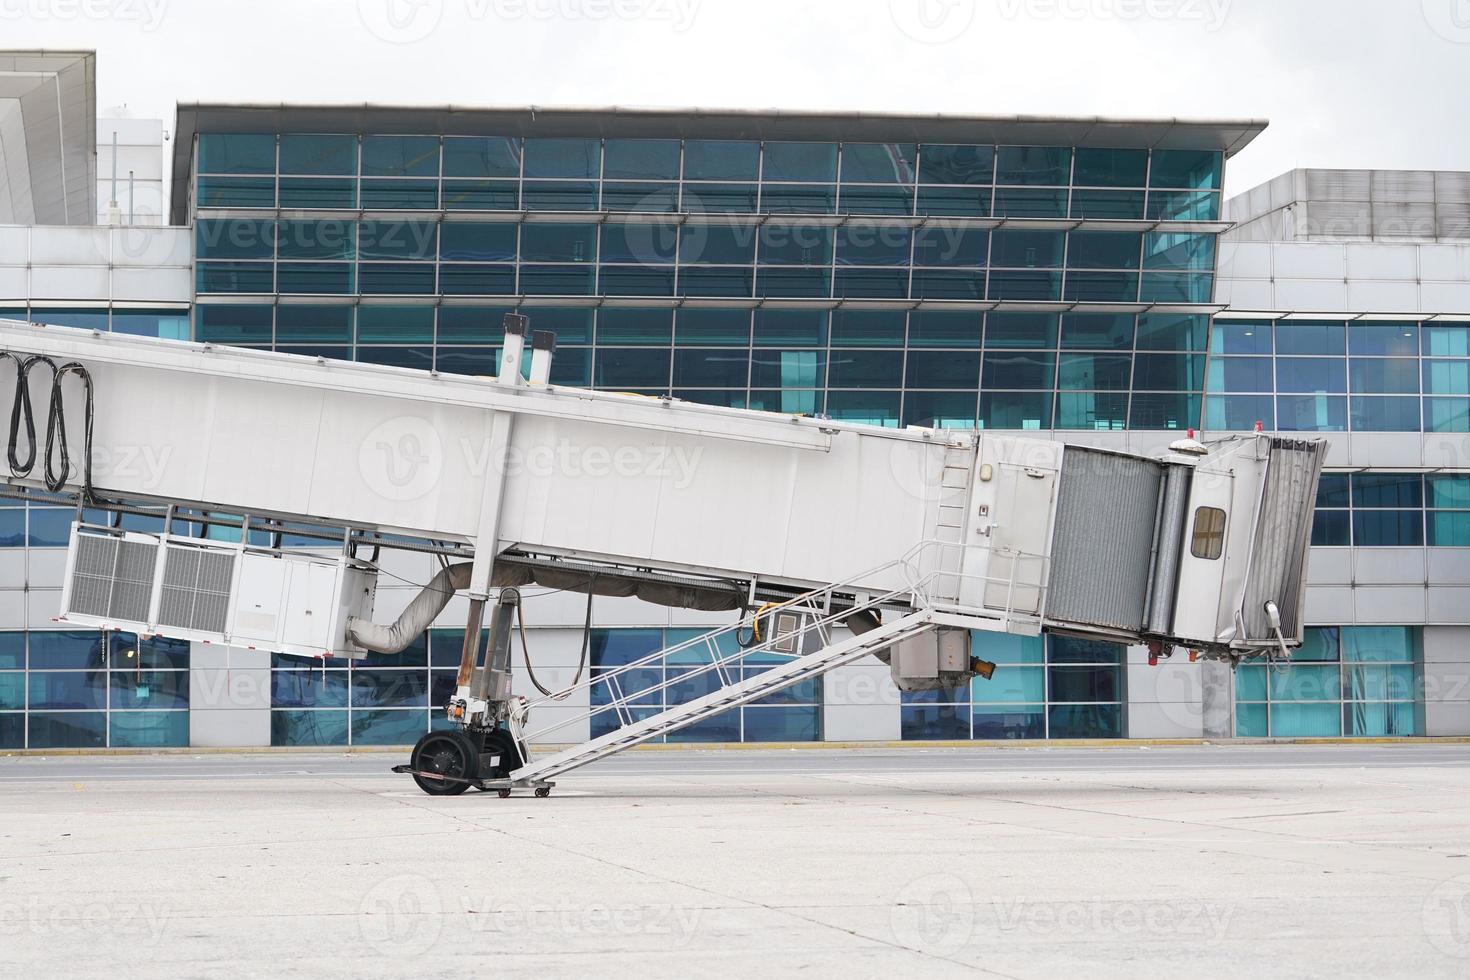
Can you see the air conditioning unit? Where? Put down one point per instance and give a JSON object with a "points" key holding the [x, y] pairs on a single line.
{"points": [[215, 592]]}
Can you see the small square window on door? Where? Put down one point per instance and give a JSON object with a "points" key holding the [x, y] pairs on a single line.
{"points": [[1209, 533]]}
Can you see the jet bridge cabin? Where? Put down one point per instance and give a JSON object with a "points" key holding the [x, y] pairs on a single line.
{"points": [[827, 541]]}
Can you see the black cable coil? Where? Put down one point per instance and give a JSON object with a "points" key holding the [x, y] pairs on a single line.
{"points": [[56, 467]]}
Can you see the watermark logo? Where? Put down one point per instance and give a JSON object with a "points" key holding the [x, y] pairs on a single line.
{"points": [[401, 21], [934, 914], [401, 917], [1211, 14], [147, 15], [933, 21], [1450, 19], [1447, 917], [402, 458]]}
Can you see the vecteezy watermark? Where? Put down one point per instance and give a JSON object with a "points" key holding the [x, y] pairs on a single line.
{"points": [[146, 14], [402, 459], [933, 21], [1450, 19], [1212, 14], [1185, 918], [562, 918], [934, 914], [60, 924], [411, 21], [1447, 917], [402, 916]]}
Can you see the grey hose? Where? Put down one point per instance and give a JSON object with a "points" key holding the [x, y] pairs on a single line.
{"points": [[422, 611]]}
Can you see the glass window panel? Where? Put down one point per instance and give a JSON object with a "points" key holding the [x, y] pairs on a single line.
{"points": [[1150, 410], [801, 723], [645, 242], [947, 284], [795, 244], [1388, 490], [696, 281], [1102, 287], [1169, 372], [718, 243], [400, 156], [951, 245], [1014, 202], [396, 279], [1094, 411], [714, 198], [1021, 410], [1194, 169], [1311, 413], [641, 159], [1073, 650], [389, 688], [50, 527], [1183, 206], [799, 198], [866, 369], [789, 401], [636, 367], [934, 722], [472, 361], [1180, 251], [877, 199], [477, 280], [1388, 528], [795, 328], [628, 280], [1379, 644], [1446, 415], [314, 324], [563, 158], [627, 326], [395, 324], [1305, 721], [558, 243], [641, 197], [12, 650], [1447, 377], [866, 406], [398, 240], [557, 280], [477, 241], [943, 369], [1048, 166], [1103, 250], [417, 358], [1116, 205], [67, 689], [1250, 721], [320, 155], [1025, 285], [940, 409], [1385, 414], [1333, 490], [721, 160], [553, 195], [317, 239], [1021, 330], [713, 327], [1384, 339], [1299, 337], [1239, 413], [801, 162], [956, 164], [67, 730], [220, 239], [866, 243], [870, 328], [482, 156], [12, 528], [235, 192], [1019, 371], [237, 153], [1446, 339], [222, 277], [405, 195], [86, 319], [955, 201], [720, 398], [1240, 374], [788, 369], [942, 328], [1332, 529], [1085, 721], [481, 195], [877, 284], [233, 324], [482, 324], [1111, 168], [1305, 682], [1380, 719], [168, 324], [318, 193], [158, 689], [777, 281], [1009, 723], [712, 368], [878, 163], [1161, 287], [308, 728], [149, 729], [392, 727], [1383, 376], [1240, 337], [1015, 249], [1311, 374], [1095, 372], [1173, 331], [12, 691], [1449, 492]]}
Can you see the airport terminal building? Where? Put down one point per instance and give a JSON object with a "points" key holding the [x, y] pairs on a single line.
{"points": [[1079, 279]]}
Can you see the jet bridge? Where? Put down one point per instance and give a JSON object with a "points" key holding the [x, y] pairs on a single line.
{"points": [[827, 541]]}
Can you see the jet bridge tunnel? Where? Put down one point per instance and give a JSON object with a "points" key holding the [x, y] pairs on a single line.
{"points": [[677, 503]]}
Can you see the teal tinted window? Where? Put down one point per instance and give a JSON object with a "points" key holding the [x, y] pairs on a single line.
{"points": [[1021, 330], [1020, 410], [1173, 331], [645, 242], [558, 243], [236, 192], [1115, 205], [936, 328], [879, 163], [617, 326], [219, 239], [400, 195], [1240, 337], [1446, 339], [314, 277], [395, 324], [1183, 252], [1169, 372], [1240, 374], [314, 324], [798, 198], [866, 369], [1171, 411], [955, 201], [1384, 414], [940, 409], [1102, 287], [1183, 205], [1193, 169], [718, 243], [1095, 372], [950, 164], [816, 162], [563, 158], [1311, 413], [1384, 339], [868, 244], [166, 323], [400, 156], [398, 240], [316, 239], [318, 192], [560, 195], [1092, 410], [951, 245], [477, 242], [711, 368], [1111, 168], [641, 160], [1103, 250], [1098, 331], [1383, 376], [713, 328], [1447, 377], [1049, 166], [794, 244], [331, 156], [942, 369], [233, 324], [1025, 202], [481, 195], [877, 199], [1018, 370], [232, 277], [721, 160], [794, 328], [237, 153], [482, 156], [634, 367], [1026, 249], [1301, 337]]}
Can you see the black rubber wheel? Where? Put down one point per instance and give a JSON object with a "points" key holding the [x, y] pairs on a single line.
{"points": [[453, 755], [542, 792], [500, 743], [503, 793]]}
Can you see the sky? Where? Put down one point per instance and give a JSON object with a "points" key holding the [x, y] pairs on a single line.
{"points": [[1344, 83]]}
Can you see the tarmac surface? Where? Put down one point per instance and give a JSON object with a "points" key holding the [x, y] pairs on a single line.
{"points": [[1260, 860]]}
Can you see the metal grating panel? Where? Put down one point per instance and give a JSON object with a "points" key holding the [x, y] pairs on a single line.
{"points": [[1107, 513], [91, 578], [132, 587], [196, 589], [112, 578]]}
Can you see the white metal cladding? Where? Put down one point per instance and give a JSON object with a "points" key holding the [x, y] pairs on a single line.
{"points": [[1283, 530], [1107, 515]]}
